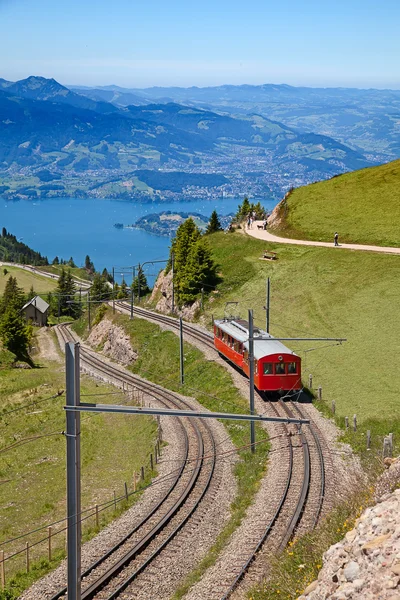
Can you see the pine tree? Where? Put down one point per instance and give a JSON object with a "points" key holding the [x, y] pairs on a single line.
{"points": [[143, 289], [13, 296], [89, 266], [200, 273], [214, 223], [123, 291], [66, 291], [56, 260], [14, 333], [31, 294], [100, 290]]}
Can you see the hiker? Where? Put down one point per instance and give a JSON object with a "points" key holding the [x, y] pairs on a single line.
{"points": [[336, 238], [265, 224]]}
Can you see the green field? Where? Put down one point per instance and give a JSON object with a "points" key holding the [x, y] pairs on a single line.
{"points": [[32, 472], [363, 206], [77, 272], [25, 279], [318, 292]]}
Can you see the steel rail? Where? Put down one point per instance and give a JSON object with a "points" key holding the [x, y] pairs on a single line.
{"points": [[161, 395], [321, 463], [208, 340], [98, 562]]}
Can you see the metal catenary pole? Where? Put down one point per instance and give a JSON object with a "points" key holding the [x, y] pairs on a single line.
{"points": [[181, 350], [132, 291], [113, 288], [138, 284], [88, 303], [251, 377], [73, 472], [173, 281], [267, 308]]}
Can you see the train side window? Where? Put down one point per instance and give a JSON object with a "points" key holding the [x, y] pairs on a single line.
{"points": [[267, 369], [246, 356], [292, 368], [256, 367], [236, 346], [280, 368]]}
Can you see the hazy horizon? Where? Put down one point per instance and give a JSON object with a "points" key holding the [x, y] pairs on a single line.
{"points": [[311, 44]]}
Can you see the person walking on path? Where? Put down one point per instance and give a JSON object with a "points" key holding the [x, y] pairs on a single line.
{"points": [[336, 238]]}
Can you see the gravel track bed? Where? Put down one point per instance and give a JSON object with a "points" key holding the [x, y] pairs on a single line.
{"points": [[172, 455], [203, 528], [342, 470]]}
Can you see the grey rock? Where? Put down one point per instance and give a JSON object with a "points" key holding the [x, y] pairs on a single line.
{"points": [[352, 571]]}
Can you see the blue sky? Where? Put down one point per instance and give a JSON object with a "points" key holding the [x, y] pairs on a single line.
{"points": [[212, 42]]}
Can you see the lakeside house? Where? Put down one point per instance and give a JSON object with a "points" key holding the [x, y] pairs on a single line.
{"points": [[36, 310]]}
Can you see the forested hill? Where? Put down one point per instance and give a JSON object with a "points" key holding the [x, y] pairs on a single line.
{"points": [[11, 250]]}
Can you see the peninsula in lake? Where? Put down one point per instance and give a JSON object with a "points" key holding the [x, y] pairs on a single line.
{"points": [[167, 222]]}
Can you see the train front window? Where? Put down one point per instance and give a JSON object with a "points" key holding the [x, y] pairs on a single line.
{"points": [[280, 368], [267, 369], [292, 368]]}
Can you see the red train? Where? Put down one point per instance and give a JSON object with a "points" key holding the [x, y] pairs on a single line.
{"points": [[276, 367]]}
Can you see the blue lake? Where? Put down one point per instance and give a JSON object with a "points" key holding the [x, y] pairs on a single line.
{"points": [[75, 227]]}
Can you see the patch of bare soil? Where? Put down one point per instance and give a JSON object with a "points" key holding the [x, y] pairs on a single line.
{"points": [[46, 346]]}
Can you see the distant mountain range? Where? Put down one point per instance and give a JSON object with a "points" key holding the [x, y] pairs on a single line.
{"points": [[104, 142]]}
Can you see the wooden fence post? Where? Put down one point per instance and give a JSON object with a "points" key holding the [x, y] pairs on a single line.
{"points": [[97, 515], [115, 501], [126, 491], [390, 438], [151, 462], [310, 381], [142, 472], [346, 422], [368, 439], [155, 453], [27, 556], [49, 529], [333, 407], [385, 446], [319, 392], [354, 422], [2, 570], [159, 447]]}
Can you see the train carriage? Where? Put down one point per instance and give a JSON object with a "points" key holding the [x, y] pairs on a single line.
{"points": [[276, 367]]}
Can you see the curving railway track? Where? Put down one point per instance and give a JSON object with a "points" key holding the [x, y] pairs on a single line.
{"points": [[119, 569], [300, 491], [296, 504]]}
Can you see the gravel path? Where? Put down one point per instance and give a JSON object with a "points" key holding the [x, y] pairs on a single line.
{"points": [[265, 235]]}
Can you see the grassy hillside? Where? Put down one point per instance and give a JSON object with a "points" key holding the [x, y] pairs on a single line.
{"points": [[25, 279], [32, 472], [320, 292], [363, 206]]}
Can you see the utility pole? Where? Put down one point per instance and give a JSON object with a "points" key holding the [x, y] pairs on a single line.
{"points": [[73, 472], [251, 377], [88, 303], [59, 308], [132, 291], [181, 349], [268, 304], [173, 282], [113, 277], [202, 299], [138, 283]]}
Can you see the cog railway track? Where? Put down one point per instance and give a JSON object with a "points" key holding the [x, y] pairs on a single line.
{"points": [[299, 497]]}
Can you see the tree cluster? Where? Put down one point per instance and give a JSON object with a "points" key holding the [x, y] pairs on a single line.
{"points": [[15, 333], [247, 208], [194, 267], [12, 250]]}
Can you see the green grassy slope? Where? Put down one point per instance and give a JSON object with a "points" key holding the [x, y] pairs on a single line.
{"points": [[320, 292], [363, 206], [32, 471], [25, 279]]}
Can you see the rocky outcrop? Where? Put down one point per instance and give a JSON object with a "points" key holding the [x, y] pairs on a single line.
{"points": [[366, 563], [162, 294], [114, 341]]}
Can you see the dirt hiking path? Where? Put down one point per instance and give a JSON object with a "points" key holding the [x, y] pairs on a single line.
{"points": [[262, 234]]}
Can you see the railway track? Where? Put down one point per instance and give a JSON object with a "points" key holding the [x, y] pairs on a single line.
{"points": [[120, 568], [302, 486]]}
